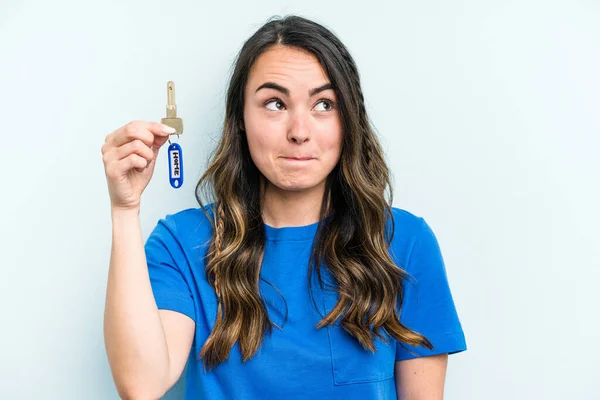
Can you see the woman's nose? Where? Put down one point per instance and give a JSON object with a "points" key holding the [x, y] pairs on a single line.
{"points": [[299, 130]]}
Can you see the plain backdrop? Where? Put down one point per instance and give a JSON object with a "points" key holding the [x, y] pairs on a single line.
{"points": [[488, 112]]}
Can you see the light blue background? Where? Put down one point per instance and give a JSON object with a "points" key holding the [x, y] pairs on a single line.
{"points": [[488, 112]]}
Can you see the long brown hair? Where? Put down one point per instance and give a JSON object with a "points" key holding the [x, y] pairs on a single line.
{"points": [[353, 242]]}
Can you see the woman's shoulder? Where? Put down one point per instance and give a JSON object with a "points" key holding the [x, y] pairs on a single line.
{"points": [[193, 221], [406, 222], [408, 229]]}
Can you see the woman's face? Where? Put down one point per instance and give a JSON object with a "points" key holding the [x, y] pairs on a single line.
{"points": [[291, 120]]}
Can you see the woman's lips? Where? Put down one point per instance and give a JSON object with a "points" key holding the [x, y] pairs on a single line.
{"points": [[297, 159]]}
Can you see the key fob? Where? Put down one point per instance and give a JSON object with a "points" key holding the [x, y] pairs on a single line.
{"points": [[175, 165]]}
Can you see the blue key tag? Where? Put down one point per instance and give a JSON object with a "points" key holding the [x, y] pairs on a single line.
{"points": [[175, 165]]}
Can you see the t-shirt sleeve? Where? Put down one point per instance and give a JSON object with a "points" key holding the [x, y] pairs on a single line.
{"points": [[166, 260], [428, 307]]}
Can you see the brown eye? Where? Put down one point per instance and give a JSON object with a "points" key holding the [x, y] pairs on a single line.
{"points": [[278, 105], [327, 103]]}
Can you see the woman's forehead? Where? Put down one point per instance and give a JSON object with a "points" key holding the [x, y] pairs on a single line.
{"points": [[287, 64]]}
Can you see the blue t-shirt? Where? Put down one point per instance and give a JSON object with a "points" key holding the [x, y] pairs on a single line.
{"points": [[300, 360]]}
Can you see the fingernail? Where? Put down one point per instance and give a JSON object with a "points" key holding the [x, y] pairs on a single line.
{"points": [[168, 129]]}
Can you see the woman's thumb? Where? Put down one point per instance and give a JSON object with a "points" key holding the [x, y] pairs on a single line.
{"points": [[155, 150], [158, 143]]}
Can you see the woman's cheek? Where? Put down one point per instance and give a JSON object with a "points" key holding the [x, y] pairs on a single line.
{"points": [[259, 150]]}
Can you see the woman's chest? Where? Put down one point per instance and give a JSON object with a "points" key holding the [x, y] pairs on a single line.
{"points": [[295, 343]]}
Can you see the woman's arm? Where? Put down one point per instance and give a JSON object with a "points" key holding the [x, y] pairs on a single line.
{"points": [[421, 378], [147, 348]]}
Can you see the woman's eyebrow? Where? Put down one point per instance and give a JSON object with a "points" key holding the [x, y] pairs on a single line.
{"points": [[312, 92]]}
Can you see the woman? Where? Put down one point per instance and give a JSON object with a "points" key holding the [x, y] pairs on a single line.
{"points": [[300, 237]]}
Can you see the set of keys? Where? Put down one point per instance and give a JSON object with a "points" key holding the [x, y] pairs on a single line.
{"points": [[174, 150]]}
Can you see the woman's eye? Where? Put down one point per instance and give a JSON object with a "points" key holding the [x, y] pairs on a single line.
{"points": [[328, 103], [278, 105]]}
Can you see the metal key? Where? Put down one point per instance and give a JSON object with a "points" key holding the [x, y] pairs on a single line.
{"points": [[172, 120]]}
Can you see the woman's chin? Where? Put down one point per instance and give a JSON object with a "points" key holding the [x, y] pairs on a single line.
{"points": [[295, 186]]}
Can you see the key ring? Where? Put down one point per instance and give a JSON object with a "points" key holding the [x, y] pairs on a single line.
{"points": [[169, 139]]}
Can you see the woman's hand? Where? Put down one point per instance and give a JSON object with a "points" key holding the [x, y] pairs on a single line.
{"points": [[129, 155]]}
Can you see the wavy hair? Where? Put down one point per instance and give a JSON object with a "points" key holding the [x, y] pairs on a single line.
{"points": [[351, 239]]}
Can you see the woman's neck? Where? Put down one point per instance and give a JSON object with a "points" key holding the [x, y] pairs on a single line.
{"points": [[281, 208]]}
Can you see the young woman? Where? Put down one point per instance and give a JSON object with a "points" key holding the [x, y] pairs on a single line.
{"points": [[299, 280]]}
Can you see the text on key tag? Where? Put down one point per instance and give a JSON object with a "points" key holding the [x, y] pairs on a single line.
{"points": [[175, 165]]}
